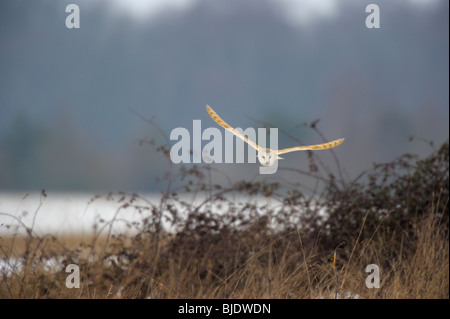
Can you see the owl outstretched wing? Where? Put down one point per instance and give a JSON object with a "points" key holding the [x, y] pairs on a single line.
{"points": [[312, 147], [225, 125]]}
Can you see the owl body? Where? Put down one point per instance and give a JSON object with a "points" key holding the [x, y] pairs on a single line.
{"points": [[267, 156]]}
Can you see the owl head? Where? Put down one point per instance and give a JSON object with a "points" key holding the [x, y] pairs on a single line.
{"points": [[267, 157]]}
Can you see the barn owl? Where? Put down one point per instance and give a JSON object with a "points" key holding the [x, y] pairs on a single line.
{"points": [[267, 156]]}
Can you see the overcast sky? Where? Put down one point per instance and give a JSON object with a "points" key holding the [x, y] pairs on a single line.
{"points": [[296, 11]]}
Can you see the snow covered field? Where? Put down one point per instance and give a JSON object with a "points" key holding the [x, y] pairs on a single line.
{"points": [[59, 213], [76, 213]]}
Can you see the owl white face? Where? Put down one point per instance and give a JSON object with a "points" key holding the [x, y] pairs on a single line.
{"points": [[267, 157]]}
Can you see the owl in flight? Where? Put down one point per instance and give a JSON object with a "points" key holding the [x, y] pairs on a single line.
{"points": [[267, 156]]}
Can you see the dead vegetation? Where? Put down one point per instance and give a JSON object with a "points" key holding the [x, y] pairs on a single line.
{"points": [[394, 215]]}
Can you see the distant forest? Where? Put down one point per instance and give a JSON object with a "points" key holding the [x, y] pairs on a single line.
{"points": [[70, 100]]}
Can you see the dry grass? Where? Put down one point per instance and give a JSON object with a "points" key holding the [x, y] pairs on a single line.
{"points": [[397, 219], [259, 264]]}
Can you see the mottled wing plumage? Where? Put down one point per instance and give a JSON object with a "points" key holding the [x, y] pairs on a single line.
{"points": [[225, 125], [312, 147], [260, 150]]}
